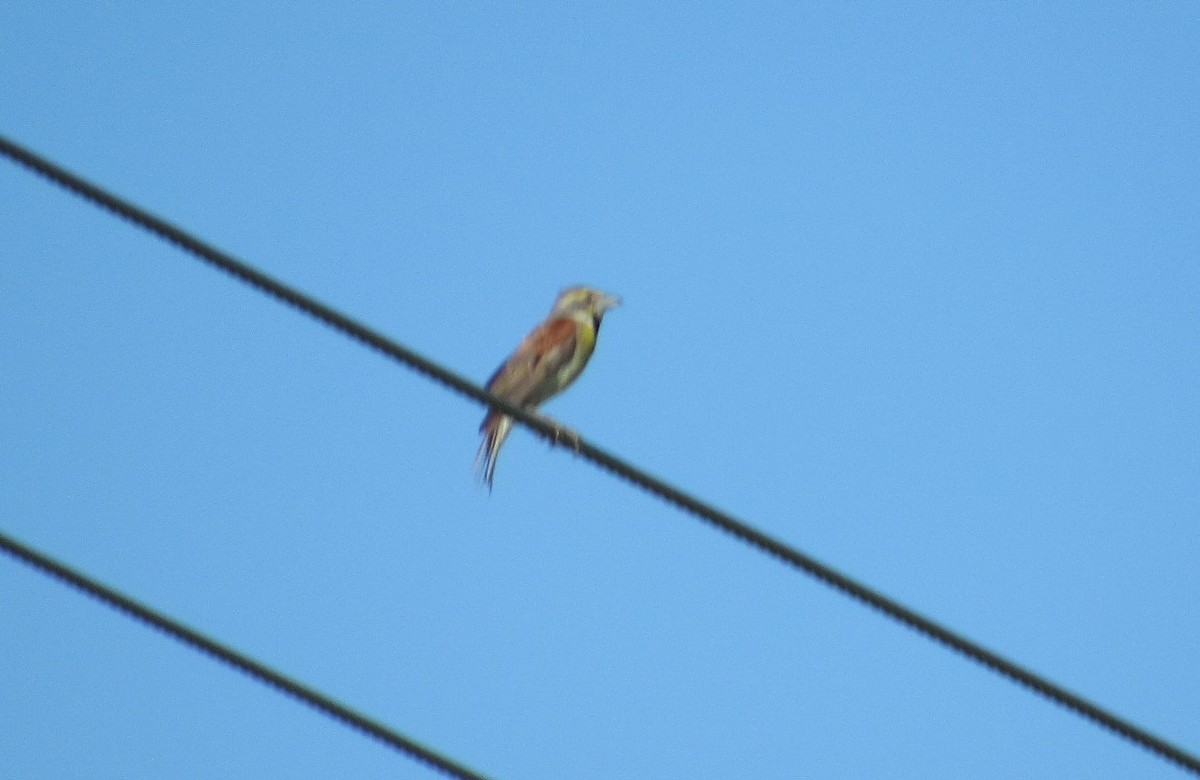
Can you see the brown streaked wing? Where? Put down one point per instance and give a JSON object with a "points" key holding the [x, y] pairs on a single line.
{"points": [[548, 348]]}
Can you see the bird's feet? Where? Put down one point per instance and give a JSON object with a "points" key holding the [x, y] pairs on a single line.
{"points": [[562, 433]]}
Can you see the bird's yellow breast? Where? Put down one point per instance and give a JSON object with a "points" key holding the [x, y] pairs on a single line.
{"points": [[585, 344]]}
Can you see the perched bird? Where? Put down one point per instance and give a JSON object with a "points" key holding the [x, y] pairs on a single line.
{"points": [[547, 361]]}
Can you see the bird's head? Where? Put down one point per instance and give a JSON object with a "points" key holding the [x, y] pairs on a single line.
{"points": [[586, 300]]}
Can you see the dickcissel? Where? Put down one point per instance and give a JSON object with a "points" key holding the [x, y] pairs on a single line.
{"points": [[550, 358]]}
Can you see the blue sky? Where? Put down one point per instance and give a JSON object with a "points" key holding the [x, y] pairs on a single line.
{"points": [[914, 290]]}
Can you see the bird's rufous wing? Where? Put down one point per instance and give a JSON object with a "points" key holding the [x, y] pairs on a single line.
{"points": [[543, 352]]}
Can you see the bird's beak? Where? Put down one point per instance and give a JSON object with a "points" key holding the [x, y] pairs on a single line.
{"points": [[607, 302]]}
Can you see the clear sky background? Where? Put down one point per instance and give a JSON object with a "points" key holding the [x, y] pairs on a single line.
{"points": [[917, 291]]}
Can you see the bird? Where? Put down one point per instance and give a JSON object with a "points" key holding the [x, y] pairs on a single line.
{"points": [[550, 358]]}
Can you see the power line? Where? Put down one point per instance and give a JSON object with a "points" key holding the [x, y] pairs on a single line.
{"points": [[259, 671], [620, 468]]}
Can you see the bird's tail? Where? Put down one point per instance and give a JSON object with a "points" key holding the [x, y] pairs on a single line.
{"points": [[495, 428]]}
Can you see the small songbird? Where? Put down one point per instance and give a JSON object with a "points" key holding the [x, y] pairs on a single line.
{"points": [[547, 361]]}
